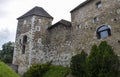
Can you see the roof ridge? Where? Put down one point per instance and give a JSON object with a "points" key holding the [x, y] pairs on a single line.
{"points": [[80, 5], [62, 21], [36, 11]]}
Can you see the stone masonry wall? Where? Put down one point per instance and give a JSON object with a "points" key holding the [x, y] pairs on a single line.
{"points": [[34, 28], [60, 48], [60, 43], [85, 28]]}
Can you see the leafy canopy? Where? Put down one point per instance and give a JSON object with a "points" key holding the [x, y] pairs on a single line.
{"points": [[6, 54], [78, 64], [101, 62]]}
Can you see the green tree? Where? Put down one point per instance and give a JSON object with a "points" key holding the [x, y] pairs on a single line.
{"points": [[6, 54], [102, 61], [78, 65]]}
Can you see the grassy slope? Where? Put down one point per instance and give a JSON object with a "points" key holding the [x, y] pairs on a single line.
{"points": [[57, 71], [6, 71]]}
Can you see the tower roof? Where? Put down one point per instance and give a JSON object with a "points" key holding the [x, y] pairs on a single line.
{"points": [[62, 21], [39, 11]]}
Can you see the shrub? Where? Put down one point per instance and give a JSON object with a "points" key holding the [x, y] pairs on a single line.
{"points": [[37, 70], [57, 71], [78, 64]]}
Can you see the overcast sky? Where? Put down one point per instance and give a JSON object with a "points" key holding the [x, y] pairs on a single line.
{"points": [[12, 9]]}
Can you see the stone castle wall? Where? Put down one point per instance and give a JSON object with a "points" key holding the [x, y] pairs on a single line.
{"points": [[85, 27], [59, 43], [59, 49]]}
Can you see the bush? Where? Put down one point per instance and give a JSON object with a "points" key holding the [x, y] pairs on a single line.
{"points": [[57, 71], [46, 70], [37, 70], [78, 64]]}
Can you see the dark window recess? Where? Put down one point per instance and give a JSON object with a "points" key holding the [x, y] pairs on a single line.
{"points": [[95, 19], [23, 49], [115, 19], [24, 39], [20, 41], [118, 41], [99, 4], [78, 26], [103, 32]]}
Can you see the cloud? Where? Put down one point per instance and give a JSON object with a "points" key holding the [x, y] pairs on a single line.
{"points": [[3, 10], [4, 1], [4, 36]]}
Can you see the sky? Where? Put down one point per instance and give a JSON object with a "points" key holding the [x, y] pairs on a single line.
{"points": [[10, 10]]}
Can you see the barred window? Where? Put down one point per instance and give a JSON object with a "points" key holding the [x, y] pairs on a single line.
{"points": [[103, 32]]}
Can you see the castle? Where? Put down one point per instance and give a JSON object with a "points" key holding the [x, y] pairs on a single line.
{"points": [[38, 41]]}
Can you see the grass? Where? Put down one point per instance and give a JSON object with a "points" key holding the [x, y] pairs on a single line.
{"points": [[57, 71], [6, 71]]}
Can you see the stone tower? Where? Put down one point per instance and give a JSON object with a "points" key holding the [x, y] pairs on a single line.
{"points": [[29, 38]]}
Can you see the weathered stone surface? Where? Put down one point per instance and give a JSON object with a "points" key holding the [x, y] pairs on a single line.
{"points": [[59, 42], [85, 36]]}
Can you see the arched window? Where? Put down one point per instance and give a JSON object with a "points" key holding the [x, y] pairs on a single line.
{"points": [[103, 32], [23, 49], [24, 43], [24, 39]]}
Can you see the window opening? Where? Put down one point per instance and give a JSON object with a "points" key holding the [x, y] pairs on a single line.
{"points": [[103, 32], [23, 49], [99, 4], [24, 39]]}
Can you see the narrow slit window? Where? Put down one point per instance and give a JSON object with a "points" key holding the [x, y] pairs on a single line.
{"points": [[23, 49], [24, 39], [37, 28]]}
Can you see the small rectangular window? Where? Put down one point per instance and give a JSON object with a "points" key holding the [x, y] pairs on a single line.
{"points": [[37, 28], [99, 4], [78, 26], [95, 19]]}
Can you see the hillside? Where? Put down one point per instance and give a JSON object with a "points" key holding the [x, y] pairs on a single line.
{"points": [[6, 71]]}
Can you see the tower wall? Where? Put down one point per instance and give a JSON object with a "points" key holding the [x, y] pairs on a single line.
{"points": [[31, 51]]}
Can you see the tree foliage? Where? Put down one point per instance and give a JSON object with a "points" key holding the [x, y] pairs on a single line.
{"points": [[101, 62], [78, 64], [6, 54]]}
